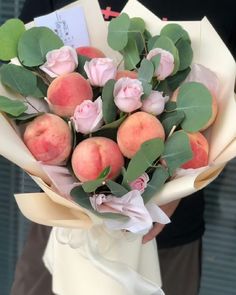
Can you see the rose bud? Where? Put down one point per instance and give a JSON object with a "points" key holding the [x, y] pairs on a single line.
{"points": [[88, 116], [127, 94], [140, 183], [154, 103], [166, 65], [60, 61], [100, 70]]}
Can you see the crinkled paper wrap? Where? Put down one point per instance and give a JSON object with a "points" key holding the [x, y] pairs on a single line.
{"points": [[49, 208]]}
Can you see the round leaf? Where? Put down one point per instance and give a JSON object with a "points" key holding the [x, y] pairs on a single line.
{"points": [[175, 32], [18, 79], [185, 54], [118, 32], [10, 33], [131, 55], [35, 43], [195, 100], [177, 151], [12, 107], [109, 109]]}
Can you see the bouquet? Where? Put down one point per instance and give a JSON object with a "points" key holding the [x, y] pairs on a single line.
{"points": [[110, 130]]}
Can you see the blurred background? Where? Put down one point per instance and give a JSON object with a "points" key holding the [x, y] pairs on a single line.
{"points": [[219, 242]]}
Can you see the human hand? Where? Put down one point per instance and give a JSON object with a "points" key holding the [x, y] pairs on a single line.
{"points": [[169, 209]]}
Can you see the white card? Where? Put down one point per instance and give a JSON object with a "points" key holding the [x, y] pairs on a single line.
{"points": [[69, 24]]}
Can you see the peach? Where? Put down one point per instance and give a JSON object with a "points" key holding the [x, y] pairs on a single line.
{"points": [[66, 92], [200, 149], [93, 155], [49, 139], [135, 130], [126, 73], [214, 109], [89, 51]]}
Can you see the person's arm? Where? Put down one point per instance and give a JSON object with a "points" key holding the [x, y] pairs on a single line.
{"points": [[169, 209]]}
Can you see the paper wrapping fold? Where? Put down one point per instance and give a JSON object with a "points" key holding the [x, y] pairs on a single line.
{"points": [[208, 50]]}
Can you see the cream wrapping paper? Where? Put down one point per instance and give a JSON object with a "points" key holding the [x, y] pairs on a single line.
{"points": [[50, 208]]}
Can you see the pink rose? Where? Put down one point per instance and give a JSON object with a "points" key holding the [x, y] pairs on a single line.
{"points": [[127, 94], [100, 70], [166, 65], [60, 61], [154, 103], [88, 116], [140, 183]]}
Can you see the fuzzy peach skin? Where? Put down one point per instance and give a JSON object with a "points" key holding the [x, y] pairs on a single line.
{"points": [[200, 149], [93, 155], [214, 109], [90, 51], [68, 91], [135, 130], [126, 73], [49, 139]]}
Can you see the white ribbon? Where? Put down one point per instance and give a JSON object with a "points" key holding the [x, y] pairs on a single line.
{"points": [[100, 247]]}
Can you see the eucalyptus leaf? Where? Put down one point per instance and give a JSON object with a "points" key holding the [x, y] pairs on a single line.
{"points": [[156, 183], [131, 55], [147, 89], [185, 54], [41, 89], [146, 71], [169, 120], [35, 43], [195, 100], [156, 61], [163, 86], [24, 117], [175, 81], [114, 124], [170, 106], [177, 151], [136, 32], [151, 42], [118, 32], [12, 107], [175, 32], [125, 183], [109, 109], [10, 33], [81, 62], [149, 151], [18, 79], [104, 173], [92, 185], [116, 189]]}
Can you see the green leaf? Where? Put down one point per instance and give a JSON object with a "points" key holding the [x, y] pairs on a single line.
{"points": [[92, 185], [157, 182], [35, 43], [131, 55], [18, 79], [185, 54], [109, 109], [169, 120], [137, 25], [151, 42], [12, 107], [10, 33], [175, 32], [41, 89], [125, 183], [81, 62], [146, 71], [167, 44], [175, 81], [105, 173], [116, 189], [177, 151], [118, 32], [195, 100], [170, 106], [149, 151], [156, 61], [145, 74], [114, 124]]}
